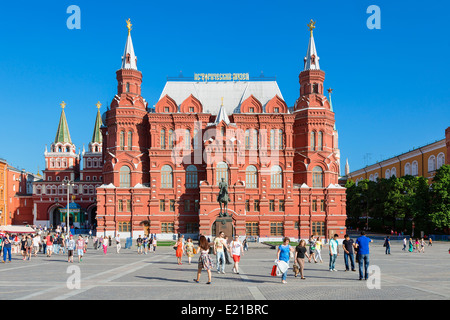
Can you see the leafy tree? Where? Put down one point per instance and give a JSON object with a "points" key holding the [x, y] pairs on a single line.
{"points": [[440, 198]]}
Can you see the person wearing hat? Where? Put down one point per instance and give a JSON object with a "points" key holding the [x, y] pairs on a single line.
{"points": [[70, 248]]}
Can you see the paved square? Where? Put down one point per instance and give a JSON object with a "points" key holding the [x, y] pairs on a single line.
{"points": [[124, 276]]}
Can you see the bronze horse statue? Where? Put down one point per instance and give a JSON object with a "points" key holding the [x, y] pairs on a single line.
{"points": [[223, 198]]}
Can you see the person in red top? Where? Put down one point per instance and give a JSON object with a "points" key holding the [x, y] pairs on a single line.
{"points": [[49, 242]]}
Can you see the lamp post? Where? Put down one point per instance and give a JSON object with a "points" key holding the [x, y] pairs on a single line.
{"points": [[69, 184]]}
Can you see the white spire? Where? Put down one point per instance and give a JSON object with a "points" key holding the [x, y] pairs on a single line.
{"points": [[347, 168], [312, 59], [129, 59], [222, 115]]}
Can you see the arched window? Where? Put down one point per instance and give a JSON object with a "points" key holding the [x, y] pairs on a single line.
{"points": [[276, 177], [280, 139], [388, 174], [313, 141], [251, 177], [187, 139], [125, 177], [431, 163], [371, 177], [407, 169], [130, 140], [414, 168], [191, 177], [440, 160], [163, 139], [171, 138], [122, 140], [221, 172], [375, 177], [247, 139], [319, 140], [254, 139], [195, 140], [127, 88], [272, 139], [317, 176], [166, 177], [393, 172]]}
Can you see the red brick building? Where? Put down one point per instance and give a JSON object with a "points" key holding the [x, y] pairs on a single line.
{"points": [[162, 166]]}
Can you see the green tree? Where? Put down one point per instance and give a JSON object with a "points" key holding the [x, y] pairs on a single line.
{"points": [[440, 198]]}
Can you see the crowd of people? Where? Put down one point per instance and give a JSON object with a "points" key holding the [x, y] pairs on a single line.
{"points": [[56, 242]]}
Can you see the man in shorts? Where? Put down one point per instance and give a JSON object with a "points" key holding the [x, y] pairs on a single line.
{"points": [[70, 248], [80, 248], [236, 250]]}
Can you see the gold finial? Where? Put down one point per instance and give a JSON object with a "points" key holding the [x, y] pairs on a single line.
{"points": [[63, 105], [330, 90], [98, 105], [222, 102], [311, 26], [129, 25]]}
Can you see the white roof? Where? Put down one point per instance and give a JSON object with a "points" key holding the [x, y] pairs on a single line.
{"points": [[210, 93], [17, 229]]}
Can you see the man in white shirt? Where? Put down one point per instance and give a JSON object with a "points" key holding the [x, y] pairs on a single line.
{"points": [[219, 244], [118, 246], [236, 251], [36, 242]]}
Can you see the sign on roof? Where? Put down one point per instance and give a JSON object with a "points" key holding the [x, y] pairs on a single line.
{"points": [[221, 76]]}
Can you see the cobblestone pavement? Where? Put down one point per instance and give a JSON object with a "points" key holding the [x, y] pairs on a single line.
{"points": [[400, 276]]}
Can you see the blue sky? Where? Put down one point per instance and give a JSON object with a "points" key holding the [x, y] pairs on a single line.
{"points": [[390, 85]]}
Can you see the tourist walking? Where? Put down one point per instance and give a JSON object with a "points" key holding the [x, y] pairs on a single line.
{"points": [[422, 246], [118, 245], [318, 255], [49, 240], [105, 244], [284, 254], [237, 249], [312, 249], [179, 250], [36, 243], [139, 244], [333, 246], [204, 261], [225, 252], [219, 245], [29, 247], [430, 242], [189, 248], [23, 247], [348, 246], [299, 258], [245, 244], [155, 243], [387, 245], [404, 244], [6, 245], [362, 243], [70, 249], [80, 248]]}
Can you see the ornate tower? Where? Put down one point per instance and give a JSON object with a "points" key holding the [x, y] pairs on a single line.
{"points": [[317, 153], [316, 161], [62, 160], [125, 143]]}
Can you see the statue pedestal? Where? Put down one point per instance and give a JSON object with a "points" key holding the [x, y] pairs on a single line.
{"points": [[225, 225]]}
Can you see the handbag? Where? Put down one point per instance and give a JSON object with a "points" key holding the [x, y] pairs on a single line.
{"points": [[274, 271]]}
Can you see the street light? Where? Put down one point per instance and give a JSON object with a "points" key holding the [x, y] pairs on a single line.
{"points": [[69, 184]]}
